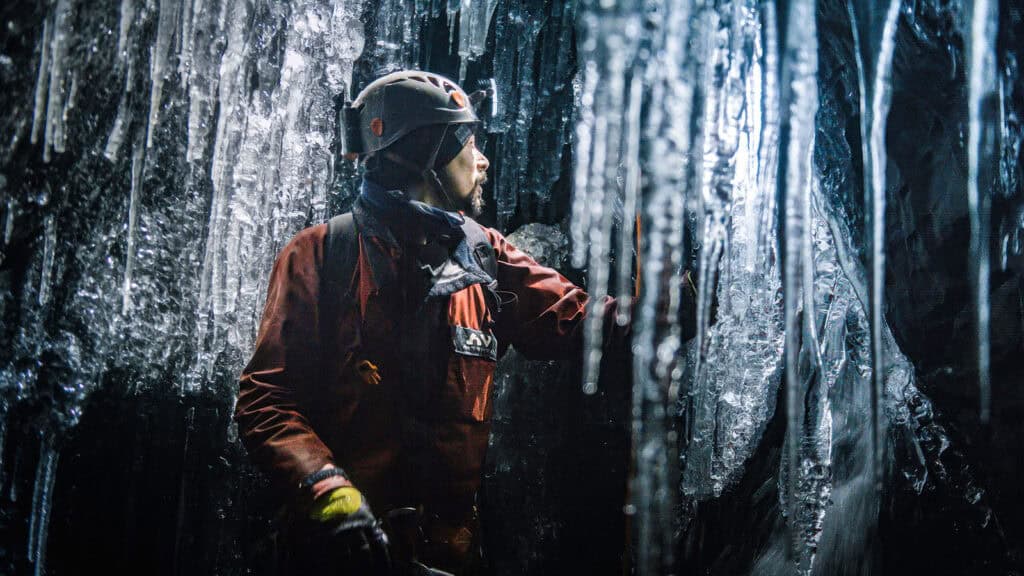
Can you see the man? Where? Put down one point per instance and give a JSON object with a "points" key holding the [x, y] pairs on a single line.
{"points": [[376, 389]]}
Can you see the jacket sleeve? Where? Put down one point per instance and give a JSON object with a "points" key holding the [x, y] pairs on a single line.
{"points": [[542, 311], [270, 412]]}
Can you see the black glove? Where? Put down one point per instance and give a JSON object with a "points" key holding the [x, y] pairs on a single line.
{"points": [[364, 539], [354, 532]]}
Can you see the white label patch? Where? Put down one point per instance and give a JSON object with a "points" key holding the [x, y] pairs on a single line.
{"points": [[474, 343]]}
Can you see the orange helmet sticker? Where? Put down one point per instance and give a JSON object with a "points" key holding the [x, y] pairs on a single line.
{"points": [[377, 126], [459, 99]]}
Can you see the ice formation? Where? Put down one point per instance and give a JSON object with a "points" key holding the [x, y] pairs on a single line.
{"points": [[692, 131]]}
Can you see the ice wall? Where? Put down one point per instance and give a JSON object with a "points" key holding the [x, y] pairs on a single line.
{"points": [[157, 153]]}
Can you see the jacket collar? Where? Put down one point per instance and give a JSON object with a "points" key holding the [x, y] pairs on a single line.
{"points": [[378, 246], [382, 250]]}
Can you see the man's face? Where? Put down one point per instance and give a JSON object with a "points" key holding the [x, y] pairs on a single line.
{"points": [[464, 177]]}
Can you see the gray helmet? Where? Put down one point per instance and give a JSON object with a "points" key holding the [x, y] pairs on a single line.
{"points": [[394, 105]]}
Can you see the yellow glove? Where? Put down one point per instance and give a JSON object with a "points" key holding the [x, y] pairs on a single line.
{"points": [[336, 504]]}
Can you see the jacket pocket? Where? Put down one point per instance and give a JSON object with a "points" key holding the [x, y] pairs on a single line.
{"points": [[471, 373], [470, 380]]}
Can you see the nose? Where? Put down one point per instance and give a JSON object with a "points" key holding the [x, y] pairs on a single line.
{"points": [[482, 163]]}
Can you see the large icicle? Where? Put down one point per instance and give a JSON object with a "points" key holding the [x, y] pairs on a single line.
{"points": [[801, 469], [167, 22], [474, 20], [127, 16], [51, 96], [204, 40], [609, 47], [737, 360], [983, 111], [836, 505], [231, 121], [671, 77], [631, 184], [874, 41], [580, 223], [42, 82]]}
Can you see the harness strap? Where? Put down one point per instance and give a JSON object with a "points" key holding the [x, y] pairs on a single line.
{"points": [[483, 251], [481, 247], [341, 255]]}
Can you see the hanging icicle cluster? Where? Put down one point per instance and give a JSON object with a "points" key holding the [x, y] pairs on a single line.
{"points": [[724, 104]]}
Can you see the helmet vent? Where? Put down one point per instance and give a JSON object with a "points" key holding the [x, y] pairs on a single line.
{"points": [[433, 80], [377, 126]]}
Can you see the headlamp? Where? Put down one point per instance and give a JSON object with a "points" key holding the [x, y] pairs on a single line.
{"points": [[486, 105]]}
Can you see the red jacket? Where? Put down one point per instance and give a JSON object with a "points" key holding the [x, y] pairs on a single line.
{"points": [[298, 411]]}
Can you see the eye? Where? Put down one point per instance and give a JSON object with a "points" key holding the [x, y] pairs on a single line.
{"points": [[478, 139]]}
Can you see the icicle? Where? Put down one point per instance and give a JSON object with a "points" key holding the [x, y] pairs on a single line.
{"points": [[138, 159], [580, 224], [881, 97], [645, 387], [69, 105], [767, 155], [42, 496], [452, 14], [124, 28], [166, 24], [53, 134], [596, 241], [42, 82], [12, 205], [983, 114], [49, 253], [736, 363], [230, 131], [629, 203], [653, 484], [607, 160], [189, 10], [522, 108], [609, 51], [117, 132], [203, 46], [874, 58], [650, 401], [474, 20], [709, 227], [398, 40], [799, 69]]}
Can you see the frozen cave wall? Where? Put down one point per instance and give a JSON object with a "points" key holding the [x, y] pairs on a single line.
{"points": [[841, 177]]}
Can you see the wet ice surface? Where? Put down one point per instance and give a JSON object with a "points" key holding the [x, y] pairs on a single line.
{"points": [[157, 154]]}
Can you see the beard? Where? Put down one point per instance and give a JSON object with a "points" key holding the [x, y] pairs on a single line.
{"points": [[475, 201]]}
